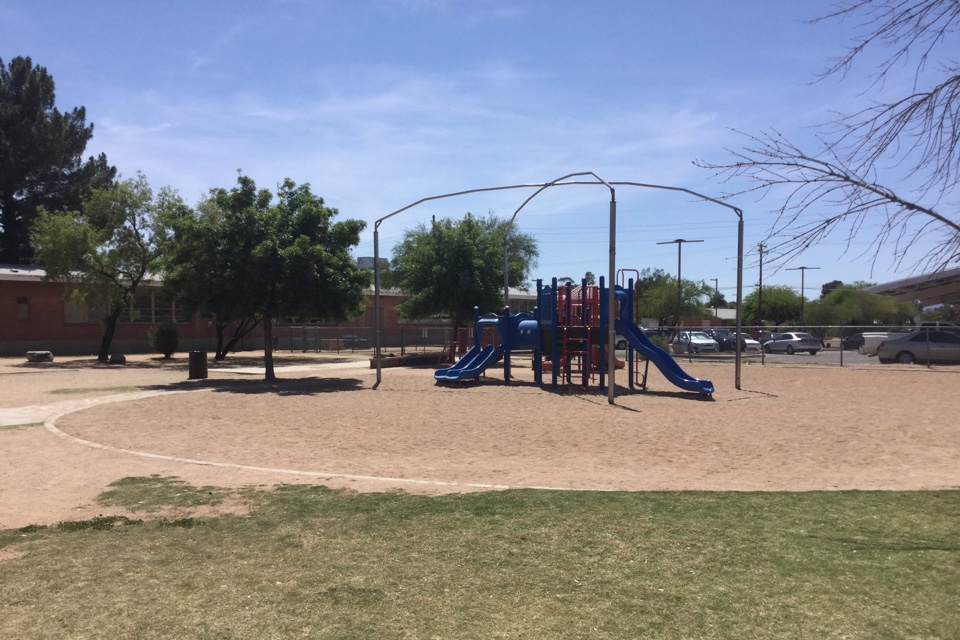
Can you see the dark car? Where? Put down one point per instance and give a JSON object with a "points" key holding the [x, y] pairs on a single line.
{"points": [[852, 341], [726, 338]]}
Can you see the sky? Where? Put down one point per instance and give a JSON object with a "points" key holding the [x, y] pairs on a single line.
{"points": [[381, 103]]}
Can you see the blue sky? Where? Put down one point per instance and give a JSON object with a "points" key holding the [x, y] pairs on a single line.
{"points": [[379, 103]]}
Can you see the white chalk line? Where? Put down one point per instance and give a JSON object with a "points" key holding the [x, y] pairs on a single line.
{"points": [[50, 424]]}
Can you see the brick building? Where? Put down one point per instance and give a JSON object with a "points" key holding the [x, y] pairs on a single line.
{"points": [[35, 316]]}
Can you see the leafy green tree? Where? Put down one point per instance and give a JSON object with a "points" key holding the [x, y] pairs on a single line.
{"points": [[266, 260], [590, 278], [659, 300], [780, 304], [104, 252], [829, 286], [846, 305], [201, 263], [41, 150], [454, 265], [649, 278]]}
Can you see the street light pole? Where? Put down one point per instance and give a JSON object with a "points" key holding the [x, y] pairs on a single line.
{"points": [[679, 242], [803, 272], [759, 318]]}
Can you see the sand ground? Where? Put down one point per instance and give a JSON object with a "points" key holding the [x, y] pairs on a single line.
{"points": [[70, 428]]}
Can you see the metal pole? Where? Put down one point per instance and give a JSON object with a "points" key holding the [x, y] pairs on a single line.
{"points": [[376, 295], [739, 355], [612, 302], [803, 272], [759, 318], [506, 273], [679, 242]]}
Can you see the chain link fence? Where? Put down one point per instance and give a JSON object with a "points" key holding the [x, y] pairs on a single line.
{"points": [[403, 339]]}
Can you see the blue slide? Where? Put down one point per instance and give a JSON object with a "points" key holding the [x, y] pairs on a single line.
{"points": [[664, 361], [471, 365]]}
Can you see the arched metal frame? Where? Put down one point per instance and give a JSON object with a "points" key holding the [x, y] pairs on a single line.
{"points": [[540, 187]]}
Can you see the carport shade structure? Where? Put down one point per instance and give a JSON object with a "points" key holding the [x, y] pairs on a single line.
{"points": [[939, 287]]}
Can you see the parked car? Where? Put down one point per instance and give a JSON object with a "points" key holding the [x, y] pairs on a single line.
{"points": [[727, 339], [939, 324], [791, 342], [621, 343], [694, 342], [921, 346], [852, 341], [749, 344]]}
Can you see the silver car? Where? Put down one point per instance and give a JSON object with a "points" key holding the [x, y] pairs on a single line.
{"points": [[694, 342], [921, 346], [791, 342]]}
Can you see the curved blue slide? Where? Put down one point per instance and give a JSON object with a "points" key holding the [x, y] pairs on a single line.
{"points": [[471, 365], [664, 361]]}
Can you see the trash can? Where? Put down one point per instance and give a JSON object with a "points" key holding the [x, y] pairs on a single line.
{"points": [[198, 365]]}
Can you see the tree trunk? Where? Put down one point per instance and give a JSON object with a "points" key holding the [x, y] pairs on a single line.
{"points": [[220, 354], [109, 329], [268, 347], [9, 239], [240, 329]]}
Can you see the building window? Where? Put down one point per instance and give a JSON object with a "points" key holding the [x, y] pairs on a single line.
{"points": [[142, 308], [23, 309]]}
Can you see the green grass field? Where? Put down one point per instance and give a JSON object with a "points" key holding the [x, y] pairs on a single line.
{"points": [[309, 562]]}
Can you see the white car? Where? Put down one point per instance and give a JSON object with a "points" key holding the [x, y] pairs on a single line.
{"points": [[749, 344], [694, 342]]}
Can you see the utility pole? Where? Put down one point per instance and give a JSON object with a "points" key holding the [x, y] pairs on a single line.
{"points": [[716, 296], [679, 242], [803, 272]]}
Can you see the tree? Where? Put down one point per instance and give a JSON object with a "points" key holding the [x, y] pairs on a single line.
{"points": [[717, 300], [590, 278], [780, 304], [848, 305], [912, 142], [829, 286], [267, 260], [660, 299], [201, 263], [41, 150], [945, 313], [104, 252], [454, 265]]}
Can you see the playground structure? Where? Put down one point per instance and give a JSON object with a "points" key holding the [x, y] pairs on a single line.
{"points": [[569, 329], [590, 178]]}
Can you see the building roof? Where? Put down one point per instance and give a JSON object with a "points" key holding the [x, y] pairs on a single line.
{"points": [[21, 272], [941, 287]]}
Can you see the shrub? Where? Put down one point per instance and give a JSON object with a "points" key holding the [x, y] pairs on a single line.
{"points": [[164, 338], [661, 342]]}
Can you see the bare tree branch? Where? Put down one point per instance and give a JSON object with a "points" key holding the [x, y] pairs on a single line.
{"points": [[805, 185], [837, 188]]}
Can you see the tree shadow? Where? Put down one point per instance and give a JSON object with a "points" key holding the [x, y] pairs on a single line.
{"points": [[280, 387], [572, 389]]}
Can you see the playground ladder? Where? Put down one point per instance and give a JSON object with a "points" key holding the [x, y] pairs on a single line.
{"points": [[576, 347]]}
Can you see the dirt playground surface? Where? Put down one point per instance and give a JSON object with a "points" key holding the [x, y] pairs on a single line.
{"points": [[70, 428]]}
